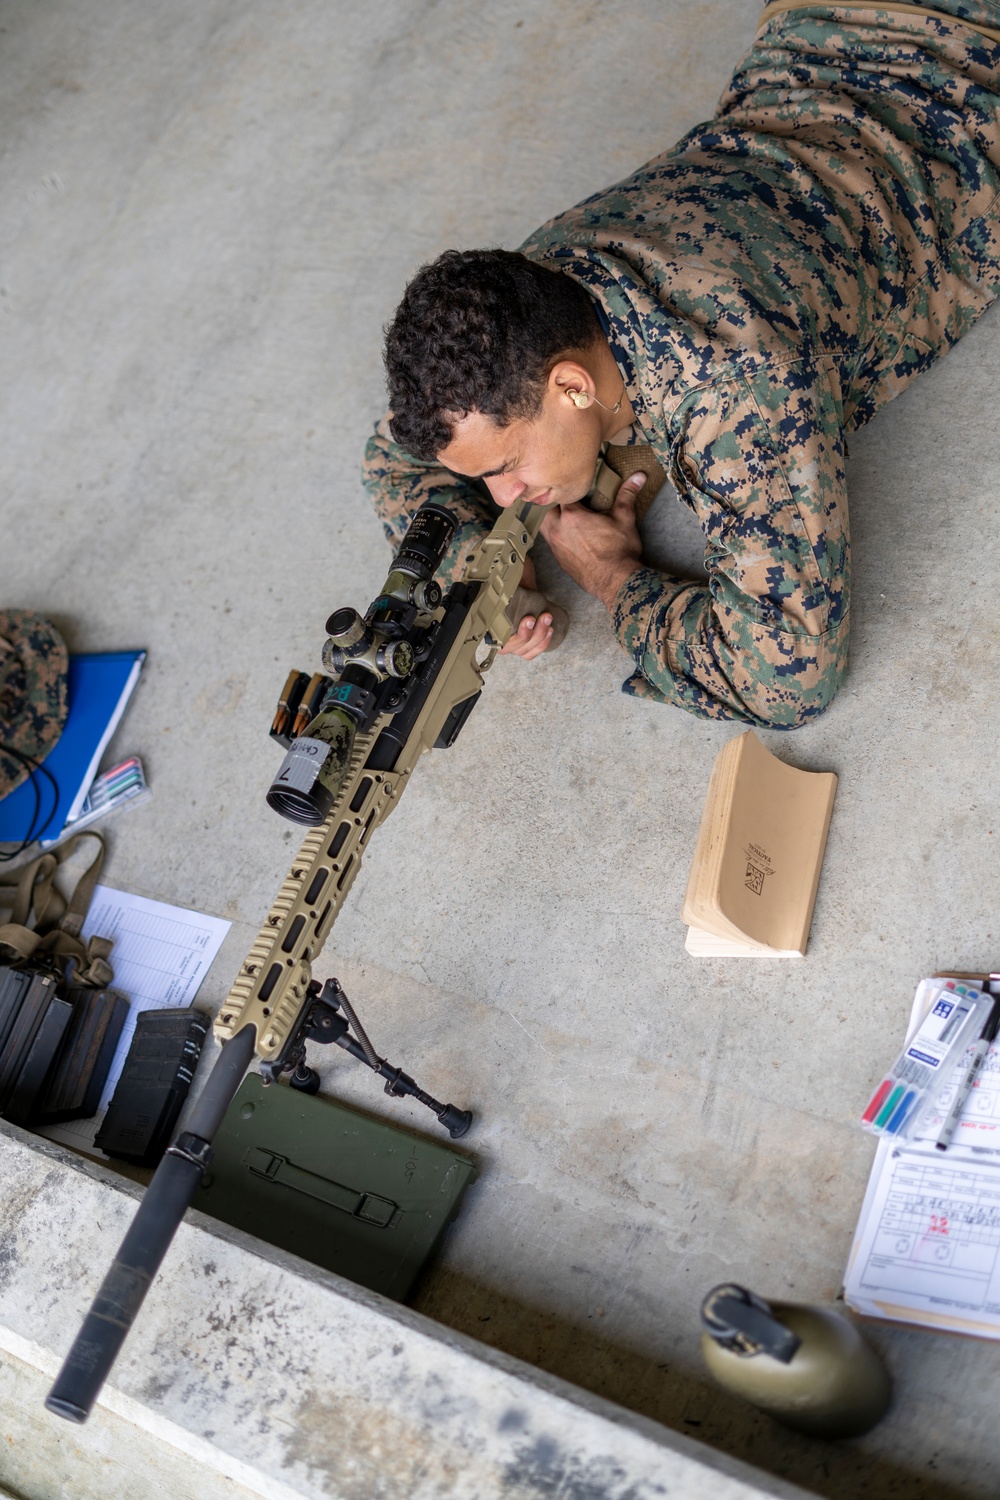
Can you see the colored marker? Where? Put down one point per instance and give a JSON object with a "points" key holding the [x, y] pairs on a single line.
{"points": [[899, 1100], [899, 1115], [889, 1105], [876, 1101], [114, 782]]}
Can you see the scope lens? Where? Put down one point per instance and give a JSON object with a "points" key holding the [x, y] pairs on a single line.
{"points": [[425, 544], [308, 808], [341, 621], [312, 772]]}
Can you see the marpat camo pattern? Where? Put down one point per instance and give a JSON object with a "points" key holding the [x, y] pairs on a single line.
{"points": [[767, 286]]}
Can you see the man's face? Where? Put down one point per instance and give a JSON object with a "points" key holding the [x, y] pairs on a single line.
{"points": [[547, 460]]}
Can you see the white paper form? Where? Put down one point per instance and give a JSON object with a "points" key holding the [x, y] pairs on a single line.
{"points": [[927, 1249], [160, 956], [927, 1246]]}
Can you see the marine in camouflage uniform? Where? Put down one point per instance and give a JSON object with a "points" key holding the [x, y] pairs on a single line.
{"points": [[766, 286]]}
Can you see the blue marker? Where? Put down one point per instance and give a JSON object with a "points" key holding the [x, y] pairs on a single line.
{"points": [[900, 1113]]}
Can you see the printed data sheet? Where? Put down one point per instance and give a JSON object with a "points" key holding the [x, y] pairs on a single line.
{"points": [[927, 1248]]}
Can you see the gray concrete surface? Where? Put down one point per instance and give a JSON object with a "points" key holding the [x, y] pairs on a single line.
{"points": [[110, 1458], [210, 209], [249, 1373]]}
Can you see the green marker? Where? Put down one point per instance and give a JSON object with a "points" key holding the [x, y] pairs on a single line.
{"points": [[889, 1105]]}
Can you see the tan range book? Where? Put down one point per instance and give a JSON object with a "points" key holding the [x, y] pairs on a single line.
{"points": [[753, 880]]}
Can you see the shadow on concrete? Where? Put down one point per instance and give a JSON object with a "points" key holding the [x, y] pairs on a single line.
{"points": [[579, 1353]]}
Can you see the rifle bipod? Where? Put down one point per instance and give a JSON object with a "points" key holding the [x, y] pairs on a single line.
{"points": [[328, 1017]]}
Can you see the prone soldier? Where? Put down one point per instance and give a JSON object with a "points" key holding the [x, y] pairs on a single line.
{"points": [[730, 312]]}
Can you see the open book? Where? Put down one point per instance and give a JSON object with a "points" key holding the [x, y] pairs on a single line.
{"points": [[760, 847]]}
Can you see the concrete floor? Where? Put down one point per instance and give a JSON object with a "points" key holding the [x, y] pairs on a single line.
{"points": [[210, 209], [72, 1463]]}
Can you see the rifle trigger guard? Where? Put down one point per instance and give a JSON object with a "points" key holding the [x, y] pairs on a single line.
{"points": [[483, 663]]}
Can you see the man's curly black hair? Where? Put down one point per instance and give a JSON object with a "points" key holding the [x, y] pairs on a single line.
{"points": [[478, 330]]}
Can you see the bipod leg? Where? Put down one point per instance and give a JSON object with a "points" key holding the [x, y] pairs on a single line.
{"points": [[455, 1121], [398, 1084]]}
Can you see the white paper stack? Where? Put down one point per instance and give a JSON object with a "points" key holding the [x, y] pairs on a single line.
{"points": [[927, 1246]]}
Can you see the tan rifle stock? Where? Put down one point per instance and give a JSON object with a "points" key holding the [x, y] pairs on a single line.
{"points": [[272, 986]]}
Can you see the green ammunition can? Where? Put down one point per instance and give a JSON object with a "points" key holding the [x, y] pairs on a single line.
{"points": [[353, 1194]]}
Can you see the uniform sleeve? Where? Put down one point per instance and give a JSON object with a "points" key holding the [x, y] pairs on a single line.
{"points": [[397, 485], [764, 641]]}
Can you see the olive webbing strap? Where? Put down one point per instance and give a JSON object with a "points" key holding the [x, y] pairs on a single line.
{"points": [[58, 920], [618, 461], [779, 7]]}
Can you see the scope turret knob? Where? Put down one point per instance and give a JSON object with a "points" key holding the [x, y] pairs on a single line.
{"points": [[346, 627], [334, 659], [427, 595], [396, 658]]}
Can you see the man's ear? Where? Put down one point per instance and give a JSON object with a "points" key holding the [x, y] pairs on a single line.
{"points": [[569, 380]]}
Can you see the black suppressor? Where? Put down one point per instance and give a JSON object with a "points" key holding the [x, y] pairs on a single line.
{"points": [[166, 1200]]}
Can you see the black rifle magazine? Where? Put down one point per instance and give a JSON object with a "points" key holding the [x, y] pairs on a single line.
{"points": [[74, 1087], [353, 1194], [31, 1008], [154, 1083]]}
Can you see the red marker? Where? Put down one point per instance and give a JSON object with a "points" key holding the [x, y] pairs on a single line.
{"points": [[878, 1098]]}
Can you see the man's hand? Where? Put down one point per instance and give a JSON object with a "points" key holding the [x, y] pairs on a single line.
{"points": [[599, 552], [531, 638], [533, 635]]}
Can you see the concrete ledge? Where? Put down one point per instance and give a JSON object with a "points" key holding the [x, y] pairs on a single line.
{"points": [[287, 1381]]}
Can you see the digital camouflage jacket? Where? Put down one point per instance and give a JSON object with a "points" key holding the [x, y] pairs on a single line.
{"points": [[766, 286]]}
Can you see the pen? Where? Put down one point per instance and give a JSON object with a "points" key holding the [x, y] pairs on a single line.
{"points": [[965, 1087]]}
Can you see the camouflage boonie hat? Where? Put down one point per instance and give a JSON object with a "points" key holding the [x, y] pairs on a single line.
{"points": [[33, 698]]}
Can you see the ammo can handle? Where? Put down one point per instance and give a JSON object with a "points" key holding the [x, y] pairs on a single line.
{"points": [[163, 1206]]}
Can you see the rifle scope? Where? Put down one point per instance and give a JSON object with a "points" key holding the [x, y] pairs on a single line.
{"points": [[374, 657]]}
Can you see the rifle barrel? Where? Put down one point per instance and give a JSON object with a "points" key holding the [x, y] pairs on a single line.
{"points": [[163, 1206]]}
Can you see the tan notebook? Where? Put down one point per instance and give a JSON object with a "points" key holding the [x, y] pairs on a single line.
{"points": [[760, 847]]}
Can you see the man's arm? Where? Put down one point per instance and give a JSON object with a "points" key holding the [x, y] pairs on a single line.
{"points": [[765, 640]]}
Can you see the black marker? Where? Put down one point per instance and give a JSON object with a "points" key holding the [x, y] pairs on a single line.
{"points": [[987, 1036]]}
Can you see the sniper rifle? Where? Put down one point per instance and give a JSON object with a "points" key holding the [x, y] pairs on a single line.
{"points": [[403, 680]]}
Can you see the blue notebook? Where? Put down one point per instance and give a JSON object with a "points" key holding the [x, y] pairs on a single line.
{"points": [[99, 687]]}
